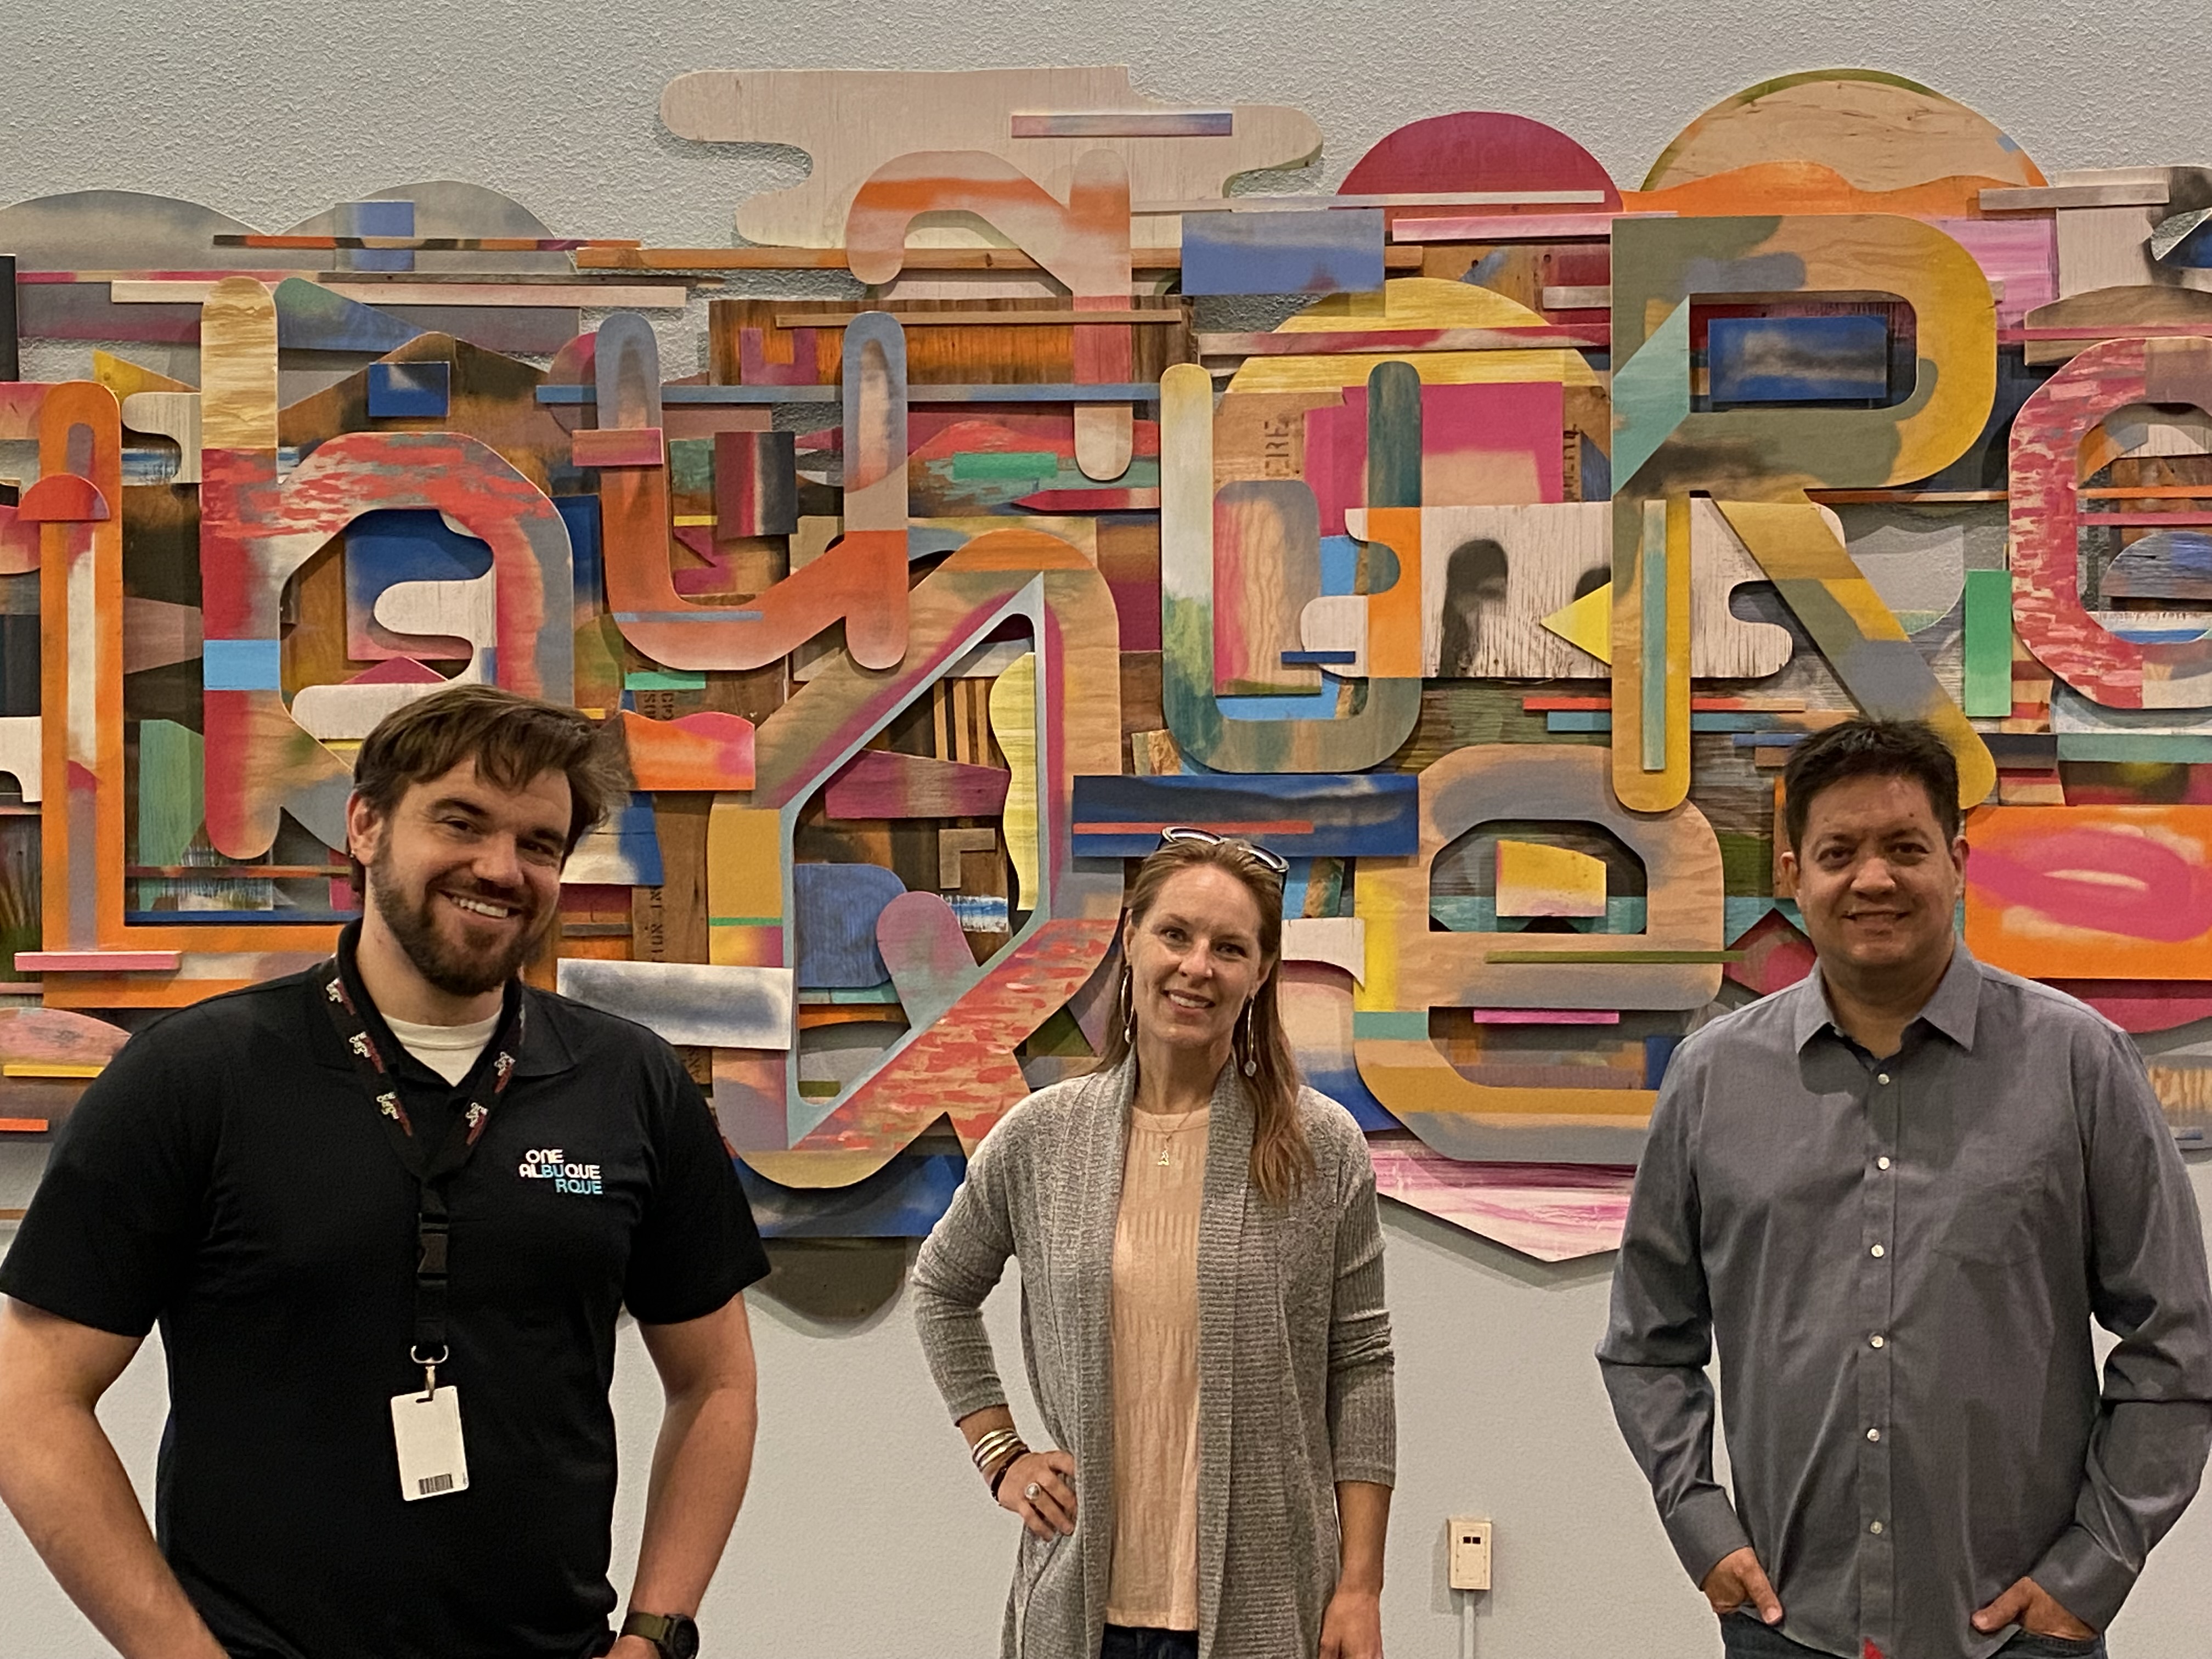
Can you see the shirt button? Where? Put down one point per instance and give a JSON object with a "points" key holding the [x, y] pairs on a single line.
{"points": [[1875, 1340], [1881, 1164], [1881, 1076], [1874, 1434], [1877, 1249], [1876, 1527]]}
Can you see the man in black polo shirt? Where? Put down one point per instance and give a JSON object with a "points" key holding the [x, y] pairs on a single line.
{"points": [[386, 1213]]}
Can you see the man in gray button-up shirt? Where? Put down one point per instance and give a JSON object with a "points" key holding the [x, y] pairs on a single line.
{"points": [[1898, 1193]]}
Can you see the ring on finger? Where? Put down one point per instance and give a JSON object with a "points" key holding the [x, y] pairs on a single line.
{"points": [[1031, 1490]]}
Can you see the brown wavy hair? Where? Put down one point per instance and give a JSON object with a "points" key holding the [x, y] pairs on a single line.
{"points": [[1281, 1160], [513, 739]]}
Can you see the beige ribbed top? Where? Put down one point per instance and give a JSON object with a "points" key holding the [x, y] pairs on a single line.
{"points": [[1154, 1582]]}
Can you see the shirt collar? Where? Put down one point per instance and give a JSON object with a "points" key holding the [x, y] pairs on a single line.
{"points": [[1951, 1009], [545, 1052]]}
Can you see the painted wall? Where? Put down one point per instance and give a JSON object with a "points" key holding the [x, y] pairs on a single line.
{"points": [[865, 1535]]}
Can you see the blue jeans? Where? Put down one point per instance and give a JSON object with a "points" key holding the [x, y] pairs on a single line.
{"points": [[1742, 1636], [1123, 1643]]}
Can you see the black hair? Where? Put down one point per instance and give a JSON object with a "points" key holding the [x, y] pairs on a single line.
{"points": [[1863, 748]]}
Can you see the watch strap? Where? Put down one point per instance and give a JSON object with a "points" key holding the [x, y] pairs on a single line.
{"points": [[658, 1628]]}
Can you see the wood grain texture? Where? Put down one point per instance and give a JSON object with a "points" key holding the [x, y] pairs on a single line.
{"points": [[2045, 517], [881, 784], [851, 122], [1849, 119], [238, 366], [1194, 713]]}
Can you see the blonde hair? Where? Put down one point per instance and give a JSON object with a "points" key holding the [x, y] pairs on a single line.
{"points": [[1281, 1159]]}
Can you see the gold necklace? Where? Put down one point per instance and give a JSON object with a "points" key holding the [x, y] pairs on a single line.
{"points": [[1166, 1141]]}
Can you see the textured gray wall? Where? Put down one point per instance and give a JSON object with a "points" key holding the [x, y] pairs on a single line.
{"points": [[864, 1537]]}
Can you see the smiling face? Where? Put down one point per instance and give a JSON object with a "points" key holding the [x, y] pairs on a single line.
{"points": [[1877, 883], [463, 876], [1194, 959]]}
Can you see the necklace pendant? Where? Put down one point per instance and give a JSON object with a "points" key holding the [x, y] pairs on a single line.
{"points": [[1165, 1161]]}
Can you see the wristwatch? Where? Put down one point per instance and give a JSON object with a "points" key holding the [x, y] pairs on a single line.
{"points": [[672, 1634]]}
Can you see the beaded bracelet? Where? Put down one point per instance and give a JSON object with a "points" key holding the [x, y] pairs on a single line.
{"points": [[998, 1475]]}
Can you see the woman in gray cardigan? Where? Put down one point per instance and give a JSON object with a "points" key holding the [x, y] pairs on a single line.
{"points": [[1202, 1310]]}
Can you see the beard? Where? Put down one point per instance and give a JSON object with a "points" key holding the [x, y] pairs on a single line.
{"points": [[452, 970]]}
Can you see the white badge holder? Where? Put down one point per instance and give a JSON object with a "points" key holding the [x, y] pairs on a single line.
{"points": [[426, 1427]]}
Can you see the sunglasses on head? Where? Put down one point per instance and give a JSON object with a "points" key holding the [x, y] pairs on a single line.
{"points": [[1266, 859]]}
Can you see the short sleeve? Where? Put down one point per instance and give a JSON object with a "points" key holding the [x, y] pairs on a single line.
{"points": [[112, 1233], [697, 1246]]}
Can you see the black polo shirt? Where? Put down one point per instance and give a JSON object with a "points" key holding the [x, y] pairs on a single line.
{"points": [[227, 1176]]}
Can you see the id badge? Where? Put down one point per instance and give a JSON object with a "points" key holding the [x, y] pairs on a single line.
{"points": [[426, 1429]]}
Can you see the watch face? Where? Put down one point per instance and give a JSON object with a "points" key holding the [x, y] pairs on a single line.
{"points": [[682, 1639]]}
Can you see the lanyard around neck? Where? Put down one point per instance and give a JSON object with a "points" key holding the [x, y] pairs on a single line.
{"points": [[431, 1167]]}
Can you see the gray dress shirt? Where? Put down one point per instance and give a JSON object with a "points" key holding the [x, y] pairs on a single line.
{"points": [[1900, 1259]]}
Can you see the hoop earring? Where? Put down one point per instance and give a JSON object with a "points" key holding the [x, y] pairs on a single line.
{"points": [[1251, 1060], [1128, 1008]]}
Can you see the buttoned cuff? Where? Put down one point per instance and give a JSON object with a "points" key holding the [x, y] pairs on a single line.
{"points": [[2083, 1579], [1704, 1529]]}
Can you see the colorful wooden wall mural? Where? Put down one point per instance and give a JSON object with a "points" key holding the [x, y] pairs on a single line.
{"points": [[1491, 585]]}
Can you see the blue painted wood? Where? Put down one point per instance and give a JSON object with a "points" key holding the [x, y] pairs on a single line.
{"points": [[409, 391], [394, 545], [904, 1199], [625, 851], [1299, 816], [311, 317], [1787, 360], [375, 219], [1328, 251], [836, 907]]}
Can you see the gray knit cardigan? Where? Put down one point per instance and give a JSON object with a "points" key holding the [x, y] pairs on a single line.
{"points": [[1294, 1362]]}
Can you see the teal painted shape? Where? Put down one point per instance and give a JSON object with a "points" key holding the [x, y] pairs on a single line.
{"points": [[2169, 748], [1025, 463], [1650, 391], [1988, 645], [311, 317], [1465, 912], [664, 679], [1394, 435], [1388, 1025], [1742, 914], [1653, 592]]}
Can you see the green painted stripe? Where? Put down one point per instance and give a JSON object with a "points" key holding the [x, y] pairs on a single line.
{"points": [[1392, 1025], [1006, 464], [1612, 955], [1394, 435], [657, 679], [745, 921], [2139, 747], [1988, 644]]}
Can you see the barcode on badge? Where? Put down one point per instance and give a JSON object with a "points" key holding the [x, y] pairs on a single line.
{"points": [[431, 1485]]}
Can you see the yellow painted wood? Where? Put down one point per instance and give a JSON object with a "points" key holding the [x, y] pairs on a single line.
{"points": [[1535, 879], [1014, 726], [238, 366], [1413, 302]]}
